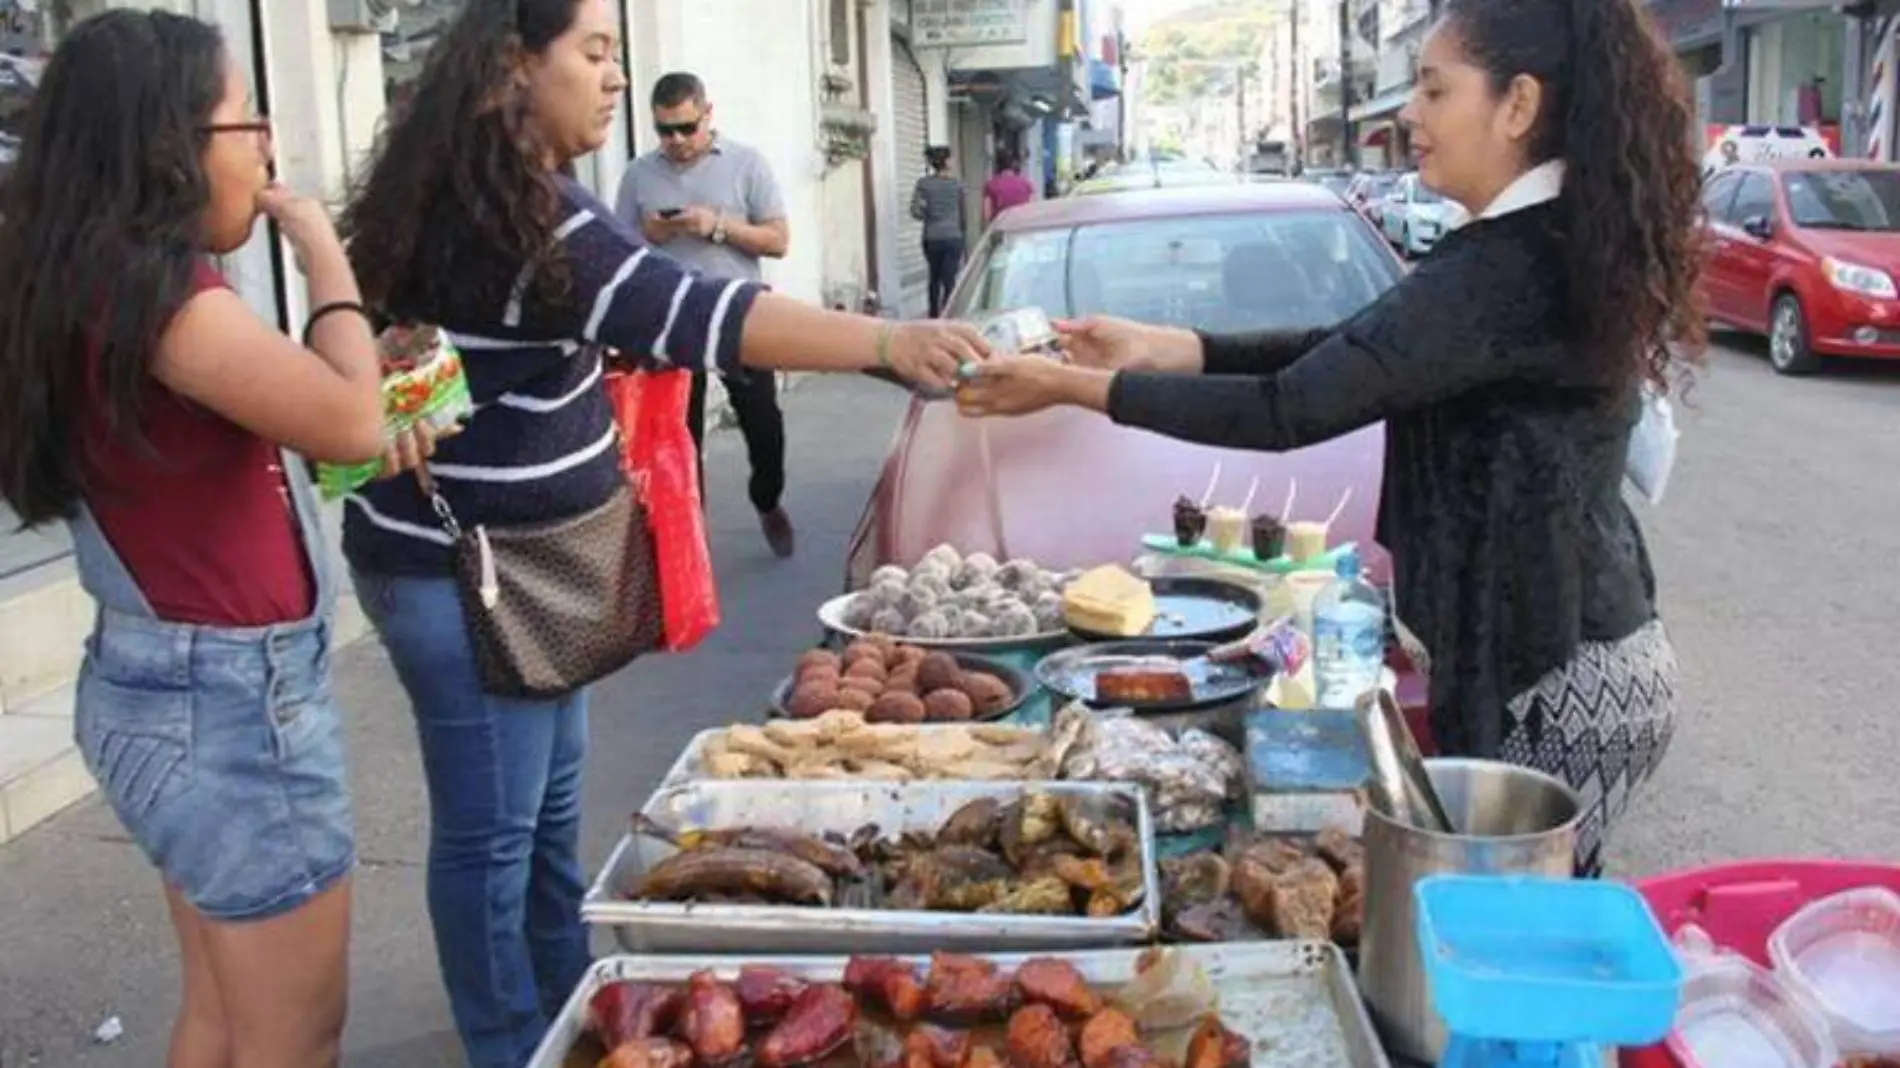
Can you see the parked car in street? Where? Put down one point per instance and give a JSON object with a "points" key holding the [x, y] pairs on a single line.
{"points": [[1153, 174], [1339, 181], [1368, 192], [1071, 489], [1806, 252], [1415, 216]]}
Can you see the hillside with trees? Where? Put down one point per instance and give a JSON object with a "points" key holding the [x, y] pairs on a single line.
{"points": [[1197, 52]]}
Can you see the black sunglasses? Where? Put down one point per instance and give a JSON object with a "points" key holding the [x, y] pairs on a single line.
{"points": [[678, 129]]}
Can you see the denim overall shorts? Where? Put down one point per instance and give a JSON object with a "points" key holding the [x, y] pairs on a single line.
{"points": [[220, 748]]}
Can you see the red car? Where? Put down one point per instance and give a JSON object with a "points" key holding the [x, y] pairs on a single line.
{"points": [[1806, 252], [1074, 490]]}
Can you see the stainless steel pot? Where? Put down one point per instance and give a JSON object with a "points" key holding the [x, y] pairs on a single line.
{"points": [[1515, 821]]}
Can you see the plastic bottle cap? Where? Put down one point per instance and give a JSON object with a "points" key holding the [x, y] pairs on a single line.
{"points": [[1348, 564]]}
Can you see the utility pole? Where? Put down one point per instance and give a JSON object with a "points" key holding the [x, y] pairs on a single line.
{"points": [[1295, 65], [1348, 144]]}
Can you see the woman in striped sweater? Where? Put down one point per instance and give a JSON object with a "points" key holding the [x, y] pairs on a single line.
{"points": [[469, 219]]}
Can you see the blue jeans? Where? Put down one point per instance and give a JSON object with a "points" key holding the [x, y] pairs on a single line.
{"points": [[504, 775]]}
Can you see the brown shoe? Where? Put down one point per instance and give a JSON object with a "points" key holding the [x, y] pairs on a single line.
{"points": [[779, 533]]}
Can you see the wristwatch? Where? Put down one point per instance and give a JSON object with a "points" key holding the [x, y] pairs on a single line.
{"points": [[719, 231]]}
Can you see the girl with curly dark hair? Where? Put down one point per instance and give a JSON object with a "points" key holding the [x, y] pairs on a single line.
{"points": [[142, 401], [467, 219], [1509, 369]]}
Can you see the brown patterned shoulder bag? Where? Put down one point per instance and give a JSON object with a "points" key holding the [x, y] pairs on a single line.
{"points": [[556, 605]]}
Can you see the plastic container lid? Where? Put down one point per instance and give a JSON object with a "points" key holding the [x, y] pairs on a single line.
{"points": [[1843, 954]]}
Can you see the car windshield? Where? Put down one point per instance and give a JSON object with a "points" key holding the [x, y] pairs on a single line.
{"points": [[1256, 271], [1844, 200]]}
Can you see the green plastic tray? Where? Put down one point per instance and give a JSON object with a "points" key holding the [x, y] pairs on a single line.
{"points": [[1168, 545]]}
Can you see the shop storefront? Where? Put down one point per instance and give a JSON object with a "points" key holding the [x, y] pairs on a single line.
{"points": [[1796, 65]]}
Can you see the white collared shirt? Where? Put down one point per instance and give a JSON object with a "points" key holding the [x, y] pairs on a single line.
{"points": [[1539, 185]]}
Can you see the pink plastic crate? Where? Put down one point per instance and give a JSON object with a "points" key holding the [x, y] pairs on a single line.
{"points": [[1740, 905]]}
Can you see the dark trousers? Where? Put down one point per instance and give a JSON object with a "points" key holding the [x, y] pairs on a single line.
{"points": [[754, 396], [945, 258]]}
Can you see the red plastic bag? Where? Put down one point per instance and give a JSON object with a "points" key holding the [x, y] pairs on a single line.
{"points": [[658, 454]]}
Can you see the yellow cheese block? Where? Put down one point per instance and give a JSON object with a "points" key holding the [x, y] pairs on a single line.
{"points": [[1109, 600]]}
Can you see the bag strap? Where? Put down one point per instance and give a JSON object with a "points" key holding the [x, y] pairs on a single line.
{"points": [[488, 582]]}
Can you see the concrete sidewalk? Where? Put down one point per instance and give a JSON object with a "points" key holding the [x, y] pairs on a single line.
{"points": [[83, 935]]}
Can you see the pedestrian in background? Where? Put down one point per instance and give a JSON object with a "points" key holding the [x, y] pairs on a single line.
{"points": [[712, 204], [1509, 370], [145, 403], [937, 202], [467, 218], [1007, 188]]}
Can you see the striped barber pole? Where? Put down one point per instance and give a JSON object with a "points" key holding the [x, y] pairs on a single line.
{"points": [[1881, 102]]}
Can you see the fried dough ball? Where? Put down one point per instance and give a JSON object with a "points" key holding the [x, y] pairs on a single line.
{"points": [[862, 649], [874, 687], [855, 700], [987, 692], [866, 668], [896, 708], [811, 701], [948, 706], [939, 671], [818, 658]]}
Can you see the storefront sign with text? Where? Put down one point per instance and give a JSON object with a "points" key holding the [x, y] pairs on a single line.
{"points": [[954, 23]]}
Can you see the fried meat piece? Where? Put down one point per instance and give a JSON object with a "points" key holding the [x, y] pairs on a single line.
{"points": [[1214, 1046], [622, 1012], [818, 1023], [1056, 983], [1106, 1032], [964, 988], [649, 1053], [713, 1022], [888, 983], [929, 1046], [766, 994], [1037, 1038]]}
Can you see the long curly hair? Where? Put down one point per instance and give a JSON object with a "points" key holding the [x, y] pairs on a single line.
{"points": [[101, 224], [460, 174], [1617, 111]]}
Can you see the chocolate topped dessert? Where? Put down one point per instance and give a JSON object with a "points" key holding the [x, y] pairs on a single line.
{"points": [[1190, 522], [1269, 538]]}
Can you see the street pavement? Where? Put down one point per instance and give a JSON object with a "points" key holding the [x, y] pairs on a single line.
{"points": [[1775, 555]]}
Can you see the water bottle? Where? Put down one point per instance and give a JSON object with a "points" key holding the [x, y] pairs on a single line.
{"points": [[1348, 638]]}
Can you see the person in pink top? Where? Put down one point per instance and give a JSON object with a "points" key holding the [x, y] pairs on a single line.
{"points": [[1007, 188]]}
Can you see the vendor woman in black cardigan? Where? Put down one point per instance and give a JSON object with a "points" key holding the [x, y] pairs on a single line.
{"points": [[1507, 368]]}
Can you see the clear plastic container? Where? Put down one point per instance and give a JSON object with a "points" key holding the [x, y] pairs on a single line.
{"points": [[1843, 954], [1735, 1014]]}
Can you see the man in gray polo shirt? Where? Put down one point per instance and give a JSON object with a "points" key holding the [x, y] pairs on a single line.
{"points": [[712, 203]]}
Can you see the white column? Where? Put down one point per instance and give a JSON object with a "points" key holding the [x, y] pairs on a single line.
{"points": [[936, 95], [885, 183]]}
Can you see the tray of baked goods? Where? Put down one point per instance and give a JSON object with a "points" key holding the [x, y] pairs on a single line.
{"points": [[806, 867], [1247, 1005]]}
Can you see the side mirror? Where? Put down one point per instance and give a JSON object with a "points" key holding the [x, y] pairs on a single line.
{"points": [[1758, 227]]}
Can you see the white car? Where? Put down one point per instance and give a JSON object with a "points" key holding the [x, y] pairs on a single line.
{"points": [[1414, 216]]}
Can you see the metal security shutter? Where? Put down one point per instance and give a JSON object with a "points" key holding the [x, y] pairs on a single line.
{"points": [[911, 127]]}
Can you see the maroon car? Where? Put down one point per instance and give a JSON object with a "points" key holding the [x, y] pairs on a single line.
{"points": [[1071, 488]]}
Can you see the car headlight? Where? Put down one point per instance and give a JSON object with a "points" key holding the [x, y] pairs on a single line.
{"points": [[1854, 278]]}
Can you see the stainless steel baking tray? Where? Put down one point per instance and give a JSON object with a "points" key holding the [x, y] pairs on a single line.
{"points": [[843, 807], [1295, 1000], [691, 764]]}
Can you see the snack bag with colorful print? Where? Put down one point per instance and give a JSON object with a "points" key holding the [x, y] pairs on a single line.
{"points": [[423, 382]]}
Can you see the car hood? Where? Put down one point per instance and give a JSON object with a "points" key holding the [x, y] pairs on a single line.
{"points": [[1077, 490], [1867, 248]]}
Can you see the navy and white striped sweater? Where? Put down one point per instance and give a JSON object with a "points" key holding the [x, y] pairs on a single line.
{"points": [[541, 444]]}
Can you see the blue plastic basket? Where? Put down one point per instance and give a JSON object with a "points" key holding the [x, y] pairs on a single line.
{"points": [[1545, 960]]}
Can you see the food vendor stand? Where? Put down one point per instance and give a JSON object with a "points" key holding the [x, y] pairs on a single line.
{"points": [[1294, 998]]}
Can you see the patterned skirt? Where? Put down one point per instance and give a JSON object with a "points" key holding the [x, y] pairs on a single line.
{"points": [[1600, 723]]}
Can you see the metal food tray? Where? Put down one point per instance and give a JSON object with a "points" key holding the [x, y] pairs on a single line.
{"points": [[690, 767], [844, 807], [1294, 1000]]}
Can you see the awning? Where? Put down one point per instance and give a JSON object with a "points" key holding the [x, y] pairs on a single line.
{"points": [[1377, 137], [1386, 103]]}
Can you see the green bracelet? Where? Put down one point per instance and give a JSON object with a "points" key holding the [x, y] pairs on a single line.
{"points": [[884, 335]]}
